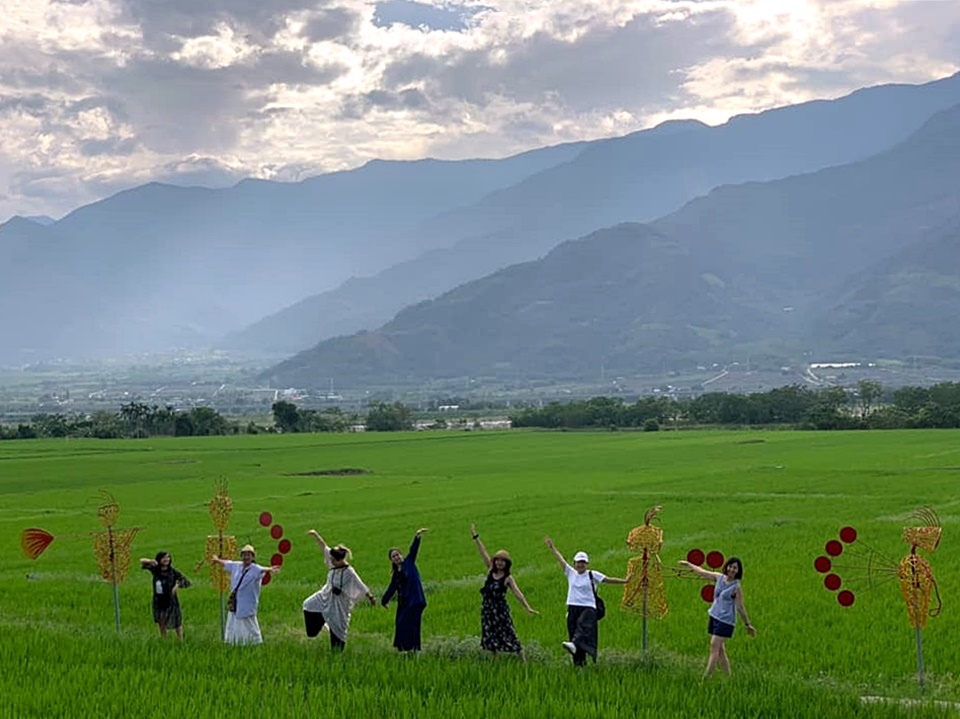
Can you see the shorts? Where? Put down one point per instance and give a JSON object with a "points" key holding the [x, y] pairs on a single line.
{"points": [[717, 628]]}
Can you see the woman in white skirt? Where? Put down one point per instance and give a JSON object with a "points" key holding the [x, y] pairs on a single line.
{"points": [[244, 601], [333, 604]]}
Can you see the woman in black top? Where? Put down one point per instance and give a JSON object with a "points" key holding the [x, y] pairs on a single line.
{"points": [[498, 634], [167, 581]]}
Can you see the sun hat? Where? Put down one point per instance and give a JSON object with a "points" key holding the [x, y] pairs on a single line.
{"points": [[581, 557], [249, 548]]}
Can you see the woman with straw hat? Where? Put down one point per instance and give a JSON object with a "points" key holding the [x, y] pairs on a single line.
{"points": [[498, 634], [243, 627]]}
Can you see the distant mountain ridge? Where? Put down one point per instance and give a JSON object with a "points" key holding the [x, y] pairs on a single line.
{"points": [[702, 284], [636, 178], [159, 266]]}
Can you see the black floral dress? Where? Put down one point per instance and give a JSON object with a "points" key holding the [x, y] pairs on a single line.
{"points": [[166, 605], [495, 620]]}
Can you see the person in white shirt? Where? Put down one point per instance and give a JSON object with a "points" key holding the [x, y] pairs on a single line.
{"points": [[581, 603], [245, 577]]}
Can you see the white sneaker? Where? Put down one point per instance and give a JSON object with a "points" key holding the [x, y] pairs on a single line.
{"points": [[570, 647]]}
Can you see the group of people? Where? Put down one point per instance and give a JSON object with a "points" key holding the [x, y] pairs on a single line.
{"points": [[333, 603]]}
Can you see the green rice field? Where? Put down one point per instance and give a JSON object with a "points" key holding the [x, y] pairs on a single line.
{"points": [[772, 498]]}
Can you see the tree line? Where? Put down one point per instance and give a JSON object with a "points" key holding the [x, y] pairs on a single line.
{"points": [[867, 406], [138, 420]]}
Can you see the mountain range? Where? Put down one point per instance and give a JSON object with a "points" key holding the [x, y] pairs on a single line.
{"points": [[761, 234], [636, 178], [819, 262]]}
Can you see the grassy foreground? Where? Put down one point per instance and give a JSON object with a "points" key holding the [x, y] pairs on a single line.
{"points": [[771, 498]]}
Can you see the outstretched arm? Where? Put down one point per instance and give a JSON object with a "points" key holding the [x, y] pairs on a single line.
{"points": [[480, 547], [415, 545], [316, 535], [219, 560], [617, 580], [556, 553], [738, 603], [700, 571], [512, 583], [148, 563]]}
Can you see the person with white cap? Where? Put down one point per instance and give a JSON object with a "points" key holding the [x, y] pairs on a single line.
{"points": [[243, 626], [581, 603]]}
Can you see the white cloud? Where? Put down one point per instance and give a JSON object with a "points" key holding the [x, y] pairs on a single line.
{"points": [[97, 95]]}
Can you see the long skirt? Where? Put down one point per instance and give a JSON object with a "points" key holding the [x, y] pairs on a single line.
{"points": [[406, 637], [169, 615], [243, 630], [582, 630], [498, 634]]}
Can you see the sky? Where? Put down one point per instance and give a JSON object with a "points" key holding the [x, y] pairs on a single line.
{"points": [[97, 96]]}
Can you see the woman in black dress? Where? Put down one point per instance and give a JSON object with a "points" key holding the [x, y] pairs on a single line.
{"points": [[498, 634], [167, 581]]}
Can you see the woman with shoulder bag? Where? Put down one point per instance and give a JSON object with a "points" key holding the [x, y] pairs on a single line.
{"points": [[333, 604], [246, 576], [582, 603]]}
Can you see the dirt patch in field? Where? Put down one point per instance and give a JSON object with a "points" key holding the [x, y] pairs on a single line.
{"points": [[341, 472]]}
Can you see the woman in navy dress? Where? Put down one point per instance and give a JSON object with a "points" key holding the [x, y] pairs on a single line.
{"points": [[405, 583], [496, 624]]}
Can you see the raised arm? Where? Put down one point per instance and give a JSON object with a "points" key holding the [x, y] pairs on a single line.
{"points": [[415, 545], [323, 545], [556, 553], [480, 547], [700, 571], [148, 563], [512, 583], [738, 603]]}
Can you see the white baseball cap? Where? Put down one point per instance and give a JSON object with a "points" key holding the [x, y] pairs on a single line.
{"points": [[581, 557]]}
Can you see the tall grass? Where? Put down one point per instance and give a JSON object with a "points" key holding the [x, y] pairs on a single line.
{"points": [[771, 498]]}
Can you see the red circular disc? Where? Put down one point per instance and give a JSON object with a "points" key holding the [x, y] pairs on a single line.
{"points": [[695, 556], [834, 548], [265, 580], [706, 593], [845, 598], [715, 560], [284, 546], [822, 564], [265, 519], [276, 531], [832, 582], [848, 534], [276, 560]]}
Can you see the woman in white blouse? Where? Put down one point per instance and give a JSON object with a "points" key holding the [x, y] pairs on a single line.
{"points": [[333, 604]]}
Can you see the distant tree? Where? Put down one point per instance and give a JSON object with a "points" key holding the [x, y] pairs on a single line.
{"points": [[869, 393], [286, 416], [383, 417]]}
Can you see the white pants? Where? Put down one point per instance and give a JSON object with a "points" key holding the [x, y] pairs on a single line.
{"points": [[245, 630]]}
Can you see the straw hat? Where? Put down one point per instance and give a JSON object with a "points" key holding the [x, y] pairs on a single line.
{"points": [[248, 548]]}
